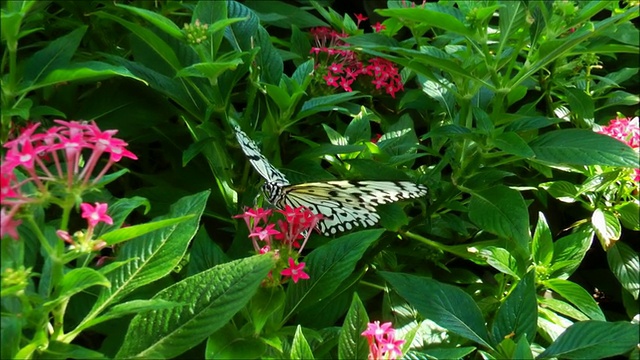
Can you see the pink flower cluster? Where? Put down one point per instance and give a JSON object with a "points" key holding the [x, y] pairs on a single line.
{"points": [[626, 130], [84, 241], [282, 237], [58, 162], [382, 341], [341, 67]]}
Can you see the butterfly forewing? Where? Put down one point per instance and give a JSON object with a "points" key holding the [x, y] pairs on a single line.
{"points": [[258, 161]]}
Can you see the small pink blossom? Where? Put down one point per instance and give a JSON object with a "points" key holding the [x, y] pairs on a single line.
{"points": [[264, 233], [8, 225], [379, 27], [96, 214], [295, 271], [382, 341]]}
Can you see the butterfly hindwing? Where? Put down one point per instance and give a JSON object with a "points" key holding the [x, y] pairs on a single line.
{"points": [[347, 204], [258, 161], [340, 213]]}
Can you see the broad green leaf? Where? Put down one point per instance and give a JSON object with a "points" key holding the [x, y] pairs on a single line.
{"points": [[437, 19], [518, 314], [441, 353], [561, 190], [229, 343], [155, 254], [562, 307], [352, 345], [582, 147], [86, 71], [240, 34], [269, 60], [284, 15], [576, 295], [624, 263], [128, 308], [267, 304], [212, 298], [56, 55], [75, 281], [580, 103], [359, 128], [607, 227], [300, 347], [446, 305], [501, 260], [542, 244], [130, 232], [279, 96], [328, 266], [10, 335], [209, 70], [568, 253], [153, 41], [205, 253], [512, 143], [157, 19], [630, 214], [320, 103], [594, 340], [60, 350], [530, 123], [119, 212], [502, 211]]}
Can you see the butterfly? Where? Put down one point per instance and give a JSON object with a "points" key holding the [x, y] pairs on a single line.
{"points": [[344, 204]]}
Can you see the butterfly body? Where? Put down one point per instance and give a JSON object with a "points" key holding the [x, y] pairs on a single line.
{"points": [[344, 204]]}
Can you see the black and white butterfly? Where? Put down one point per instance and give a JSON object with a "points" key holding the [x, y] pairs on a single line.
{"points": [[343, 204]]}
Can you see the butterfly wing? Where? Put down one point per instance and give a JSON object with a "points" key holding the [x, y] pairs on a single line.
{"points": [[345, 205], [258, 161]]}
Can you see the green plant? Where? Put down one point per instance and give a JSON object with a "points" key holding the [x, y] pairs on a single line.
{"points": [[500, 108]]}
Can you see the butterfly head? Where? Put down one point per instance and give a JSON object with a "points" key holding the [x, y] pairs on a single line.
{"points": [[273, 191]]}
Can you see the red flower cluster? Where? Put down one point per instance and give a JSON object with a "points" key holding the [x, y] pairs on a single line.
{"points": [[341, 67], [297, 225], [382, 341], [55, 164], [626, 130]]}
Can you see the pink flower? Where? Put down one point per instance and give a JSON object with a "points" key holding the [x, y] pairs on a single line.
{"points": [[264, 234], [8, 226], [96, 214], [295, 271], [331, 80], [360, 18], [379, 27], [382, 341], [626, 130]]}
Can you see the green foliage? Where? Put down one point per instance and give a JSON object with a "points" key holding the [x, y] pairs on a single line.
{"points": [[501, 113]]}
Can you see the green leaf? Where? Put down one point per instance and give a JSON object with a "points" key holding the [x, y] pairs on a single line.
{"points": [[436, 19], [60, 350], [229, 343], [580, 103], [320, 103], [269, 60], [446, 305], [359, 128], [501, 259], [518, 314], [155, 253], [131, 232], [157, 19], [212, 298], [328, 266], [352, 345], [512, 143], [542, 244], [568, 253], [209, 70], [582, 147], [630, 214], [130, 307], [154, 43], [119, 212], [75, 281], [576, 295], [607, 227], [561, 190], [624, 263], [86, 71], [594, 340], [300, 348], [502, 211], [56, 55], [267, 304]]}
